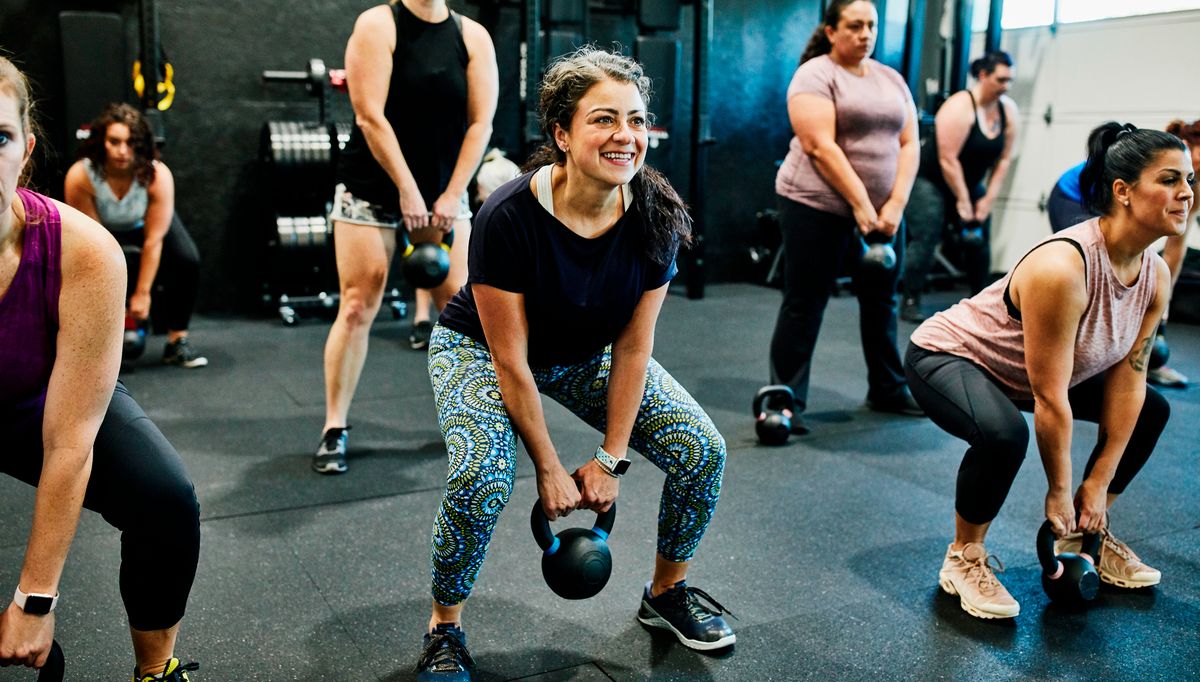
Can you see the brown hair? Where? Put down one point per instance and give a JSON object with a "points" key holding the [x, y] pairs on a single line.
{"points": [[1119, 151], [141, 138], [1188, 132], [819, 43], [15, 83], [665, 217]]}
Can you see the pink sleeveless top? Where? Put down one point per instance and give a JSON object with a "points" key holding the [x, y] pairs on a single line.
{"points": [[982, 328], [29, 312]]}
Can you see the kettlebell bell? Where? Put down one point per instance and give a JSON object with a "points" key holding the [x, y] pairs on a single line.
{"points": [[576, 563], [55, 665], [1160, 352], [878, 252], [134, 340], [1069, 578], [773, 408], [427, 264], [972, 234]]}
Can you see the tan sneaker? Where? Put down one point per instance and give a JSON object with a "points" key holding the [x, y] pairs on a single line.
{"points": [[1118, 564], [969, 574]]}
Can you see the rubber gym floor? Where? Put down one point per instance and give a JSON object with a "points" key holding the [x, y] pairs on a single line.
{"points": [[827, 549]]}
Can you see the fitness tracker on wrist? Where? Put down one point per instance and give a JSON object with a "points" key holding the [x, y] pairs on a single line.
{"points": [[34, 604], [615, 467]]}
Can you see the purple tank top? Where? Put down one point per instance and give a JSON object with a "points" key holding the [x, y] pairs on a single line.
{"points": [[29, 312]]}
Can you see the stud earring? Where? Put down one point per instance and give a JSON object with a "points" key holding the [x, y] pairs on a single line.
{"points": [[1127, 202]]}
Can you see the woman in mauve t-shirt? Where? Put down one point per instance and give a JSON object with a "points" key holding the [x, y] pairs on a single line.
{"points": [[848, 172]]}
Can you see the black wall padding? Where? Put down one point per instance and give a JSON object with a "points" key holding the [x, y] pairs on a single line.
{"points": [[660, 58], [94, 68], [562, 42], [659, 15], [565, 11]]}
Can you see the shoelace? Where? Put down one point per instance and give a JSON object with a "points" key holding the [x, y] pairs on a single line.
{"points": [[445, 651], [984, 572], [1119, 547], [699, 612]]}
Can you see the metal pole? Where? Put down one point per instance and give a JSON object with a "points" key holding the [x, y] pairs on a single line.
{"points": [[960, 59], [995, 15], [701, 139]]}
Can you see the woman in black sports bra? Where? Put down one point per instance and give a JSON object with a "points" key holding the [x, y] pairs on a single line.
{"points": [[975, 132]]}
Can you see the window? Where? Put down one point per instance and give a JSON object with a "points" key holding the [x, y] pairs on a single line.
{"points": [[1017, 14], [1070, 11]]}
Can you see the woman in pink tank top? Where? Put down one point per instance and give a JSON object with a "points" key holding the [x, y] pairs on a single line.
{"points": [[1066, 335], [71, 430]]}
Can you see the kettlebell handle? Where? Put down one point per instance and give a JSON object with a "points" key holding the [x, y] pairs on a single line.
{"points": [[540, 525], [1051, 566], [774, 393], [407, 246]]}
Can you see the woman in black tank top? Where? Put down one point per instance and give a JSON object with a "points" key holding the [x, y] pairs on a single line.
{"points": [[423, 84], [975, 132]]}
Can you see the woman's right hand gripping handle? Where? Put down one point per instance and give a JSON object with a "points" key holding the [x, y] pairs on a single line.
{"points": [[25, 639], [559, 492]]}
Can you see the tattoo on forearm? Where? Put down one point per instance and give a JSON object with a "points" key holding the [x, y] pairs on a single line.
{"points": [[1141, 354]]}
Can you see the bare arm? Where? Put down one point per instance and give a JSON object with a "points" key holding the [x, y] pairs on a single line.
{"points": [[502, 314], [483, 87], [983, 207], [78, 191], [953, 123], [81, 384], [907, 162], [159, 211], [369, 74], [1124, 394], [1050, 290], [814, 121]]}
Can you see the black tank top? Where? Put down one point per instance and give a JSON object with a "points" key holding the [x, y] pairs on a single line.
{"points": [[426, 107], [978, 154]]}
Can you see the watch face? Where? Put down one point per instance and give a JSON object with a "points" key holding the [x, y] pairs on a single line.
{"points": [[621, 467], [36, 605]]}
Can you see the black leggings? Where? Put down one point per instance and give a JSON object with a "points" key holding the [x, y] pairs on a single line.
{"points": [[817, 247], [139, 485], [930, 209], [178, 274], [968, 402]]}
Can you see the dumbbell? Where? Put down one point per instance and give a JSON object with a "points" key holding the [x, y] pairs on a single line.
{"points": [[1069, 578], [134, 344], [576, 563], [1160, 352], [971, 234], [878, 252], [773, 408], [425, 265]]}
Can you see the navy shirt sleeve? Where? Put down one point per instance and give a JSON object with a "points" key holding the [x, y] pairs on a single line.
{"points": [[499, 255]]}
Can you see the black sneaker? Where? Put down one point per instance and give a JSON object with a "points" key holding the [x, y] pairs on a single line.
{"points": [[182, 354], [331, 454], [419, 338], [444, 656], [679, 610], [910, 310], [175, 671]]}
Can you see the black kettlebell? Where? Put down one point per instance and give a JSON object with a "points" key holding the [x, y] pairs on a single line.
{"points": [[427, 264], [1160, 352], [972, 234], [576, 563], [55, 665], [134, 340], [773, 408], [1069, 578], [878, 252]]}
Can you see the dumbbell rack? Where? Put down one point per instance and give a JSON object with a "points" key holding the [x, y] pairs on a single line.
{"points": [[300, 158]]}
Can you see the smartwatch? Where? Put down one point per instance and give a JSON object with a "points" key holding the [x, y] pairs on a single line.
{"points": [[615, 467], [35, 604]]}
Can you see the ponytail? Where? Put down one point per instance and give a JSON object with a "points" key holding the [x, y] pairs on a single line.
{"points": [[1119, 152]]}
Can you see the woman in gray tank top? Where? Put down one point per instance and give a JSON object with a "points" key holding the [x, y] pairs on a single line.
{"points": [[120, 183], [1066, 335]]}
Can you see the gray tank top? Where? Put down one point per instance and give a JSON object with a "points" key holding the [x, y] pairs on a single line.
{"points": [[118, 215]]}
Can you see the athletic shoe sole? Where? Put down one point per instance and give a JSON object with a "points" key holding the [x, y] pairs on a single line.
{"points": [[330, 467], [1129, 584], [948, 588], [657, 621]]}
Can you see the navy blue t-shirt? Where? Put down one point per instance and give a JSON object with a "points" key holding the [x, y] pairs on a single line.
{"points": [[579, 293]]}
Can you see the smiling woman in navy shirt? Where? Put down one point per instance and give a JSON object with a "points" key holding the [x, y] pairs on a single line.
{"points": [[568, 268]]}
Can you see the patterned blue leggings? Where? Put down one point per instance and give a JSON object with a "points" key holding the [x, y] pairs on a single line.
{"points": [[671, 430]]}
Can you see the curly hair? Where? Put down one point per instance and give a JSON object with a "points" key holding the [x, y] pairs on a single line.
{"points": [[141, 139], [666, 220], [1188, 132]]}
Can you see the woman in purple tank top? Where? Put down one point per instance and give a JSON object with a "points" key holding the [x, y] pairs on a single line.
{"points": [[1066, 335], [70, 429]]}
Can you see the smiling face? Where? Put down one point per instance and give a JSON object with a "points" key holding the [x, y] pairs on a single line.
{"points": [[16, 145], [853, 39], [1162, 196], [607, 138]]}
